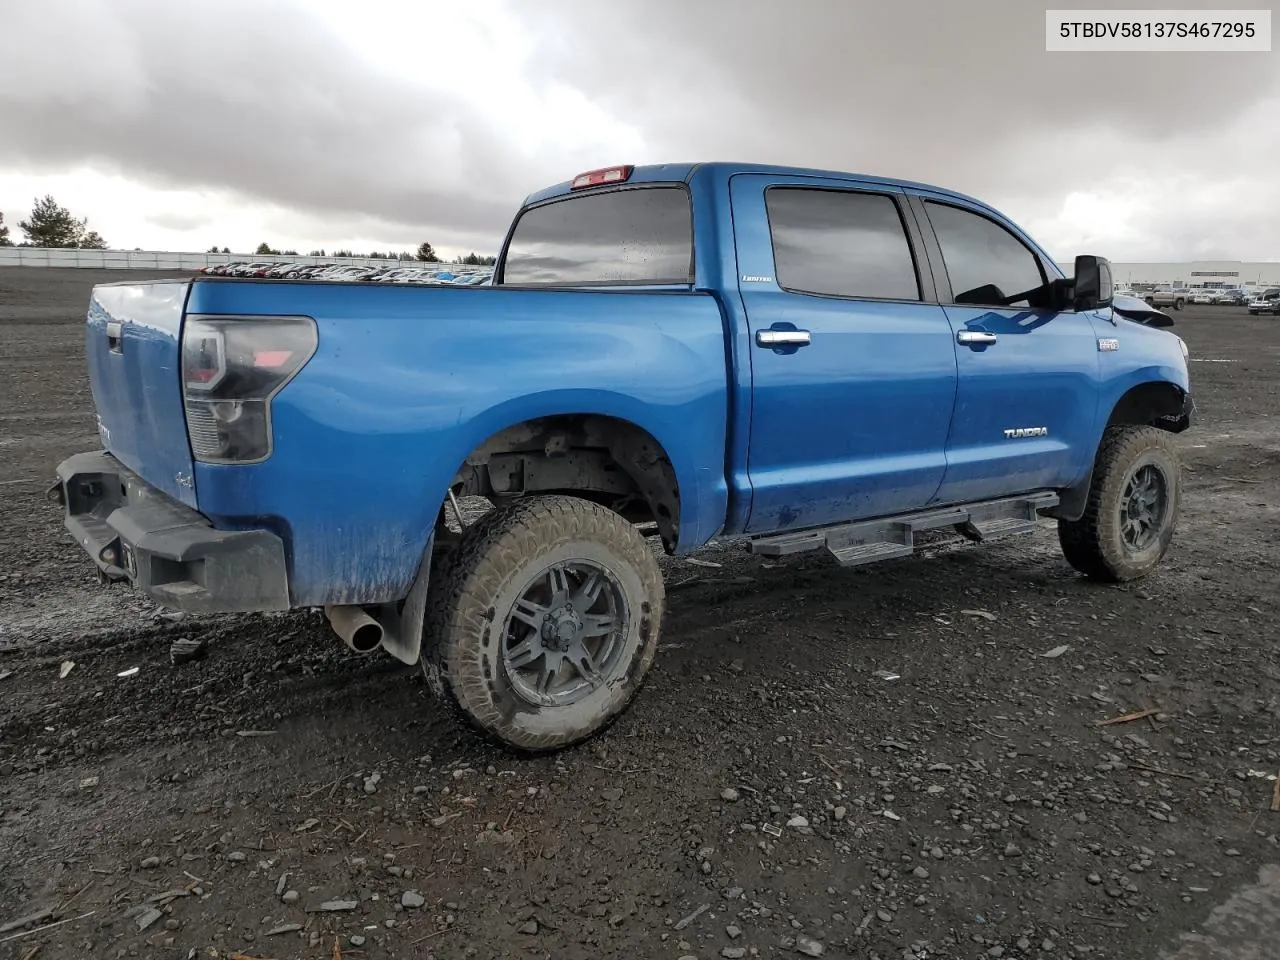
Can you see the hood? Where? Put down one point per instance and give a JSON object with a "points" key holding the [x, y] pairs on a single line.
{"points": [[1139, 311]]}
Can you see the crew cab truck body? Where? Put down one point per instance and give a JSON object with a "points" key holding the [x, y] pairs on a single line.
{"points": [[813, 360]]}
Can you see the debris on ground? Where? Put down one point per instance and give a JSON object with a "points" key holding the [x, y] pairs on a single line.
{"points": [[186, 649], [684, 922], [1130, 717]]}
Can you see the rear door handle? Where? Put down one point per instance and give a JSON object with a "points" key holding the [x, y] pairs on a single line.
{"points": [[975, 337], [783, 338], [113, 336]]}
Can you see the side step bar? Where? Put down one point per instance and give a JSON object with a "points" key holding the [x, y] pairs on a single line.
{"points": [[866, 541]]}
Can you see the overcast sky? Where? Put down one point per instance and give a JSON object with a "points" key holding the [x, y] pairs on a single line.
{"points": [[319, 123]]}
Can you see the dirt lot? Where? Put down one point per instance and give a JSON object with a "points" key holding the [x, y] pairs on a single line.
{"points": [[767, 795]]}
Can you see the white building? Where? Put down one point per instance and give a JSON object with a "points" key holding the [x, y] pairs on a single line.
{"points": [[1247, 275]]}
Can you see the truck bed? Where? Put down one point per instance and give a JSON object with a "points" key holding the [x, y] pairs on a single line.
{"points": [[405, 383]]}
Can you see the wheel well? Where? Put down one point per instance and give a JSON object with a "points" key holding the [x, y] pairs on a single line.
{"points": [[1152, 404], [1155, 404], [605, 459]]}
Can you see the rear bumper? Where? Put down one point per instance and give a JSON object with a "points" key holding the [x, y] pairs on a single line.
{"points": [[168, 551]]}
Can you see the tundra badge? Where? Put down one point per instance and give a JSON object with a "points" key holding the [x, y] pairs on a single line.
{"points": [[1018, 433]]}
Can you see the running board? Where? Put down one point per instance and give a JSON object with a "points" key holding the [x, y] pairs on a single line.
{"points": [[867, 541]]}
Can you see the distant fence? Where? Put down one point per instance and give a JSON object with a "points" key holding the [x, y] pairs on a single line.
{"points": [[159, 259]]}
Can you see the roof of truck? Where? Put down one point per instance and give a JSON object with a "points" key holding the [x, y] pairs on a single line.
{"points": [[677, 172]]}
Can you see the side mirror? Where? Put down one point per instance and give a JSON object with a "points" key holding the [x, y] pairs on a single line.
{"points": [[1092, 283]]}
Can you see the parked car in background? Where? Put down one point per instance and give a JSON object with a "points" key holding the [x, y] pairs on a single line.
{"points": [[1233, 298], [1267, 302], [1168, 296]]}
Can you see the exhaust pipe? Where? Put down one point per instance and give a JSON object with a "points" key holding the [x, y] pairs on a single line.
{"points": [[359, 631]]}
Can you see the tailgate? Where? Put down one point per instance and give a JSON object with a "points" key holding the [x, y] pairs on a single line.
{"points": [[132, 348]]}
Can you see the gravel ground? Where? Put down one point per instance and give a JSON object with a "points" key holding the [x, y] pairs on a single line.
{"points": [[772, 792]]}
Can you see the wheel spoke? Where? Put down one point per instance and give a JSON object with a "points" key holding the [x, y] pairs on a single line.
{"points": [[529, 613], [585, 596], [598, 625], [550, 667], [558, 580], [586, 665], [525, 653]]}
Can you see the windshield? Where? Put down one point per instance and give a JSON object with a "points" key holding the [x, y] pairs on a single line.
{"points": [[642, 235]]}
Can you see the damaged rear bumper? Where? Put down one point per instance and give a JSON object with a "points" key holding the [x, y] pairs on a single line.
{"points": [[173, 554]]}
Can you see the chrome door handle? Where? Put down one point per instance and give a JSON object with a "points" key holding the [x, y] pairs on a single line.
{"points": [[783, 338], [974, 337]]}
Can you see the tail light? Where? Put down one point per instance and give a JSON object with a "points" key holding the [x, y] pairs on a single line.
{"points": [[231, 370]]}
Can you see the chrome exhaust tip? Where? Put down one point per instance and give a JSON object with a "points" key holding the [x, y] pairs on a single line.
{"points": [[359, 631]]}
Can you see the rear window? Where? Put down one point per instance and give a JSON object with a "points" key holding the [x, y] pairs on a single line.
{"points": [[642, 235]]}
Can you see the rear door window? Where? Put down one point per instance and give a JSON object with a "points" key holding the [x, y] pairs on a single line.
{"points": [[640, 235], [840, 243]]}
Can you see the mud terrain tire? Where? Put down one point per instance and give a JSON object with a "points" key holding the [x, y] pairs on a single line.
{"points": [[524, 590], [1132, 510]]}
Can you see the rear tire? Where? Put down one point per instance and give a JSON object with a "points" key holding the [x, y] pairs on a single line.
{"points": [[544, 622], [1132, 511]]}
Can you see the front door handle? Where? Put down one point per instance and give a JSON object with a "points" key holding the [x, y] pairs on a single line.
{"points": [[783, 338], [975, 338]]}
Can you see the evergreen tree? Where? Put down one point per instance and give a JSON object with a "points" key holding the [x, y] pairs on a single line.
{"points": [[51, 225]]}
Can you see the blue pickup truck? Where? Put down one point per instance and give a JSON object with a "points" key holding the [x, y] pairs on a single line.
{"points": [[809, 360]]}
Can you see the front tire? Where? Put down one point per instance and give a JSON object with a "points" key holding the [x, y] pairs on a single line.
{"points": [[545, 621], [1179, 304], [1132, 511]]}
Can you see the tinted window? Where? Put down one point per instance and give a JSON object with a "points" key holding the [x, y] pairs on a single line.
{"points": [[980, 254], [643, 235], [841, 244]]}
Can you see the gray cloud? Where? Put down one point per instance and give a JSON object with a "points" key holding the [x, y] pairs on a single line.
{"points": [[261, 101], [959, 94], [178, 221], [253, 98]]}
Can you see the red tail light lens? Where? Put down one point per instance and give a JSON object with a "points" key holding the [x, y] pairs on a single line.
{"points": [[231, 370]]}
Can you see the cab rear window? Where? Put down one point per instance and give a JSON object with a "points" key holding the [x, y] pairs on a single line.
{"points": [[638, 235]]}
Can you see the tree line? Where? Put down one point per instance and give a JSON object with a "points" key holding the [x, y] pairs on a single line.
{"points": [[52, 225], [425, 253]]}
